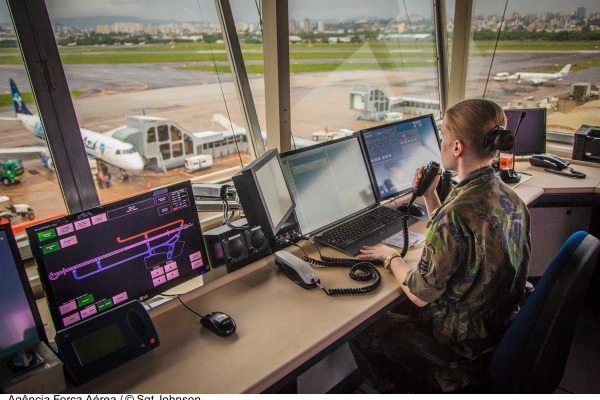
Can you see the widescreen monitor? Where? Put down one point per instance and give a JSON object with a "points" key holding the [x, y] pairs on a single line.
{"points": [[329, 182], [397, 149], [531, 136], [20, 322], [264, 193], [129, 249]]}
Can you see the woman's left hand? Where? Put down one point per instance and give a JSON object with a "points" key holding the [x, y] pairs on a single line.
{"points": [[376, 252]]}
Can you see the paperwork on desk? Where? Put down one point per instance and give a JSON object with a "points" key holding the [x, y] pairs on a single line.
{"points": [[397, 240]]}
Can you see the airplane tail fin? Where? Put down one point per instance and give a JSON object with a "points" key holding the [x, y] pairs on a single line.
{"points": [[565, 70], [18, 102]]}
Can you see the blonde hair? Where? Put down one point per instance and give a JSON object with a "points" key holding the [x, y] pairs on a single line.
{"points": [[470, 120]]}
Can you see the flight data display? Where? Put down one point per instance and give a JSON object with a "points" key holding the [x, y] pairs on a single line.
{"points": [[396, 150], [131, 249]]}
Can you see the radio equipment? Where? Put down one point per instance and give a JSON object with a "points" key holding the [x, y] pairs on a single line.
{"points": [[101, 343], [236, 248]]}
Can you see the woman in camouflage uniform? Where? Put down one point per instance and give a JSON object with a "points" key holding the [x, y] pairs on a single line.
{"points": [[474, 266]]}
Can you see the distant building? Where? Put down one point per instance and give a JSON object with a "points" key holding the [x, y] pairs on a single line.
{"points": [[580, 12], [339, 39], [306, 25], [373, 104]]}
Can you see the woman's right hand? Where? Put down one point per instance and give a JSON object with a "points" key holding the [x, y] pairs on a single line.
{"points": [[431, 189]]}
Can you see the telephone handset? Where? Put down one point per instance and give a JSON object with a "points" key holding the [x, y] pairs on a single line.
{"points": [[297, 270], [429, 174], [548, 161], [555, 164], [431, 171], [301, 272]]}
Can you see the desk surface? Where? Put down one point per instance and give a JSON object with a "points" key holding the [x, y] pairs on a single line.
{"points": [[280, 325]]}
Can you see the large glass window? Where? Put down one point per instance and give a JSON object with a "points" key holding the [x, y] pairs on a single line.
{"points": [[27, 181], [132, 68], [542, 57], [356, 64]]}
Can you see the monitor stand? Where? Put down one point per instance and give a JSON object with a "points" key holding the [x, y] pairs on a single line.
{"points": [[35, 370], [24, 361]]}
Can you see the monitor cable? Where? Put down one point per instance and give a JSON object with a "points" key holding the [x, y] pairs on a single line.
{"points": [[226, 221], [176, 296]]}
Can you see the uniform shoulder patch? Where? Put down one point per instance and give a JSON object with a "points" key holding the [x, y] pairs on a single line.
{"points": [[426, 259]]}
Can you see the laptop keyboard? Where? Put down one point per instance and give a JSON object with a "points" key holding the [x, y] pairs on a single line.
{"points": [[354, 230]]}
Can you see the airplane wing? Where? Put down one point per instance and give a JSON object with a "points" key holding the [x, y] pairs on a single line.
{"points": [[25, 150], [8, 119]]}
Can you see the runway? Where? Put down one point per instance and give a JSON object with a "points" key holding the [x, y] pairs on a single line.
{"points": [[190, 98]]}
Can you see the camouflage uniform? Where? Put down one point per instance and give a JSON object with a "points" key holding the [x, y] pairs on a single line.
{"points": [[472, 271]]}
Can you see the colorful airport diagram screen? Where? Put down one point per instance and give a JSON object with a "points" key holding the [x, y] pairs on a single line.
{"points": [[131, 249]]}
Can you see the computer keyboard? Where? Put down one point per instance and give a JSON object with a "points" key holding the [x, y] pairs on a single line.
{"points": [[369, 228]]}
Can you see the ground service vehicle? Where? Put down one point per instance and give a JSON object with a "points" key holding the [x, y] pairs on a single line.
{"points": [[11, 171]]}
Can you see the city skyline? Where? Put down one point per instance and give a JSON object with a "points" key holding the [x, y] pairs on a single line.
{"points": [[204, 10]]}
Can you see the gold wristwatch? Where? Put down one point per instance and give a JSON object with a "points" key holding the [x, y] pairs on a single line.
{"points": [[388, 260]]}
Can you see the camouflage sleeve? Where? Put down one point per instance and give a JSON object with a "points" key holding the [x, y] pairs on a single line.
{"points": [[445, 250]]}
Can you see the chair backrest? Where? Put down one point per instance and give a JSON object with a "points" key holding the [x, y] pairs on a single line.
{"points": [[532, 354]]}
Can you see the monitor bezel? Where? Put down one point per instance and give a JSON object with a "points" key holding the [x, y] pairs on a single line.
{"points": [[153, 292], [14, 248], [362, 132], [251, 169], [535, 109], [354, 136]]}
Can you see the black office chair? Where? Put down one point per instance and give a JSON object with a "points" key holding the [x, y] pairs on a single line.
{"points": [[532, 353]]}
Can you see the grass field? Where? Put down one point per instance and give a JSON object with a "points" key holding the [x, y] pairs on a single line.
{"points": [[6, 98], [383, 55]]}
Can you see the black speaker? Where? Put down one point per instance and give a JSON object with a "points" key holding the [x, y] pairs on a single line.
{"points": [[235, 248]]}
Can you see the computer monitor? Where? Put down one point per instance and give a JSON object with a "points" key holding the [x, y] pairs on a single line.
{"points": [[397, 149], [264, 193], [20, 324], [531, 136], [129, 249], [329, 181]]}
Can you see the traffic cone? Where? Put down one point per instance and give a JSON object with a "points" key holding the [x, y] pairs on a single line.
{"points": [[148, 186]]}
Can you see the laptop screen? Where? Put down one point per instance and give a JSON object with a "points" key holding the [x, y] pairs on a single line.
{"points": [[329, 182], [397, 149]]}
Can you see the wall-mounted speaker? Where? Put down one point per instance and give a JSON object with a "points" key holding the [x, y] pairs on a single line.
{"points": [[235, 248]]}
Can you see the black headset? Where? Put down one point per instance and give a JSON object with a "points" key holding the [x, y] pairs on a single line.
{"points": [[490, 137]]}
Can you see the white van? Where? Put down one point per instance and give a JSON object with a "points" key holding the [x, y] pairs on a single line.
{"points": [[196, 163]]}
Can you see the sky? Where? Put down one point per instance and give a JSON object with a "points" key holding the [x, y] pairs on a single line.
{"points": [[186, 10]]}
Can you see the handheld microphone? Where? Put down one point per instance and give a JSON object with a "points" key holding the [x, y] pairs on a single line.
{"points": [[509, 175]]}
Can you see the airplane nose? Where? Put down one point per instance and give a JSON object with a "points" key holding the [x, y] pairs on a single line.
{"points": [[137, 162]]}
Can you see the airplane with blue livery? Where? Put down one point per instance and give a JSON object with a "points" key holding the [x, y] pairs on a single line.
{"points": [[99, 146]]}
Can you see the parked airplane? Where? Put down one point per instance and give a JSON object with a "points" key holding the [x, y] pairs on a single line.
{"points": [[534, 78], [105, 148]]}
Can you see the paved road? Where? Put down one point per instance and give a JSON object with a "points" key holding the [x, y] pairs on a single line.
{"points": [[190, 98]]}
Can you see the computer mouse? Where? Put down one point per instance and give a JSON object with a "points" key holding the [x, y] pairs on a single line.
{"points": [[415, 210], [219, 323]]}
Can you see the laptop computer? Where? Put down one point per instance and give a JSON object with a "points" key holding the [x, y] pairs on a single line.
{"points": [[331, 183]]}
